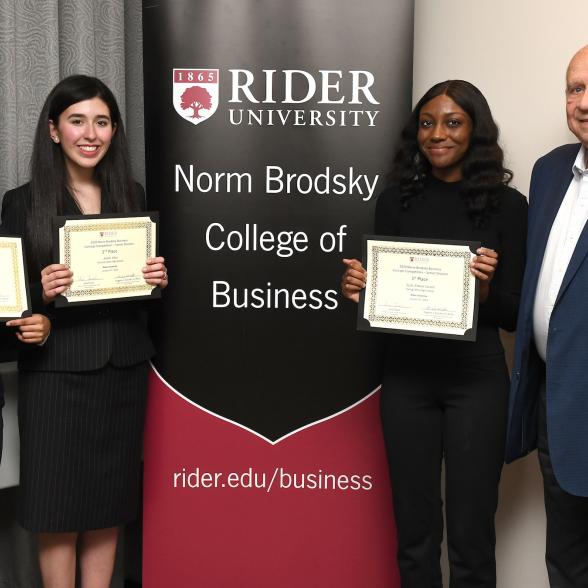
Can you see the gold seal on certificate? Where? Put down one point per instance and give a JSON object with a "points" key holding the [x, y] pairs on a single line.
{"points": [[14, 295], [419, 287], [106, 254]]}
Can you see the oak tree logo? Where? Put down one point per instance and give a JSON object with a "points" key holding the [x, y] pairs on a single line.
{"points": [[196, 98], [195, 93]]}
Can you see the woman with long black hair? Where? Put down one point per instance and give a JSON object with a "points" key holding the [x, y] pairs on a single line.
{"points": [[444, 398], [82, 394]]}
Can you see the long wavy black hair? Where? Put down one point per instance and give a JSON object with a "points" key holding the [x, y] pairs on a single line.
{"points": [[49, 181], [482, 167]]}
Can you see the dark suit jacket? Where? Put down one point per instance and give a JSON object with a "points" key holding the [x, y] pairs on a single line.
{"points": [[6, 340], [7, 344], [567, 343], [82, 338], [7, 350]]}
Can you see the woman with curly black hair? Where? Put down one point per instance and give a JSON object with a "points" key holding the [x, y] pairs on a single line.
{"points": [[446, 398]]}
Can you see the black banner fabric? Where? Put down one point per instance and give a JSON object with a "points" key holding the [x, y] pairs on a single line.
{"points": [[269, 129]]}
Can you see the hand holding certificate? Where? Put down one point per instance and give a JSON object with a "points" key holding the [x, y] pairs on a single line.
{"points": [[107, 254], [14, 295], [419, 288]]}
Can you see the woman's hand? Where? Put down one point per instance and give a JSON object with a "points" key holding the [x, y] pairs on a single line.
{"points": [[353, 280], [32, 329], [55, 279], [483, 266], [155, 272]]}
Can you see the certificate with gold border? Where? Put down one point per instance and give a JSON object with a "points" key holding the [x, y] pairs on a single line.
{"points": [[419, 287], [106, 254], [15, 301]]}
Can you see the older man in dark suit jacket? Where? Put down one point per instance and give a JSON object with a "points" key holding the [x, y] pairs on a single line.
{"points": [[549, 395]]}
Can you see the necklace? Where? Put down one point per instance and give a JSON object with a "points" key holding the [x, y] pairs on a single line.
{"points": [[76, 195]]}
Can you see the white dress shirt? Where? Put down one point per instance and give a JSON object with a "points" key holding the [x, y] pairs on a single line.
{"points": [[565, 232]]}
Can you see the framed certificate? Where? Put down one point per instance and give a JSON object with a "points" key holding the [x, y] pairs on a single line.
{"points": [[15, 301], [419, 287], [106, 253]]}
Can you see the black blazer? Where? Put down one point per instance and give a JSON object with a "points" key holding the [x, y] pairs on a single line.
{"points": [[83, 338], [8, 340], [7, 343], [566, 377]]}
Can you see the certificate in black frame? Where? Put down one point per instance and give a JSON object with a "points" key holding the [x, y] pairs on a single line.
{"points": [[364, 325], [62, 301], [25, 276]]}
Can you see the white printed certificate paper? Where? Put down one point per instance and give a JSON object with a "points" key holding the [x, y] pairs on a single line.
{"points": [[14, 295], [106, 254], [419, 287]]}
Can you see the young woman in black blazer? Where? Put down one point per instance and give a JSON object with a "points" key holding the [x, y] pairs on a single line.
{"points": [[442, 398], [82, 394]]}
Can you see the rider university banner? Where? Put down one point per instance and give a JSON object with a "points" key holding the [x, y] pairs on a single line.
{"points": [[270, 127]]}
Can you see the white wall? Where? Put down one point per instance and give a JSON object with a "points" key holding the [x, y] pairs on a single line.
{"points": [[516, 52]]}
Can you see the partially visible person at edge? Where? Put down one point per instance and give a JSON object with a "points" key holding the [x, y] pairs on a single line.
{"points": [[82, 394], [549, 394], [445, 398], [32, 330]]}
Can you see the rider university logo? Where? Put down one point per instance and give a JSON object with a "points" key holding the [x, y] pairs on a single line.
{"points": [[195, 93]]}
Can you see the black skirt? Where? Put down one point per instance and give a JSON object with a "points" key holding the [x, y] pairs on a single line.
{"points": [[81, 442]]}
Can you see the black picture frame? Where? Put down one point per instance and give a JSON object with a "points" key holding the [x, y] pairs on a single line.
{"points": [[364, 325], [28, 311], [59, 221]]}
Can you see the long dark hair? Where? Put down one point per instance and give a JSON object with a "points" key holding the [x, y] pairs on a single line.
{"points": [[48, 172], [483, 168]]}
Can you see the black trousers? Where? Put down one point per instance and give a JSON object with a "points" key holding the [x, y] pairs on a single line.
{"points": [[455, 410], [566, 553]]}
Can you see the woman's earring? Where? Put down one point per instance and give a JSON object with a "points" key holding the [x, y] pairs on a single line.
{"points": [[55, 139]]}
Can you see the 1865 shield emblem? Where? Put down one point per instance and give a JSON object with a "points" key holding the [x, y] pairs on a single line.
{"points": [[195, 93]]}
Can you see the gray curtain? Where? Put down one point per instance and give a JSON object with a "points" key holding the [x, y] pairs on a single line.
{"points": [[42, 41]]}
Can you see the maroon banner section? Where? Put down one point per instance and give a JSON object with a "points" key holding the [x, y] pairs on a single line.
{"points": [[226, 508]]}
